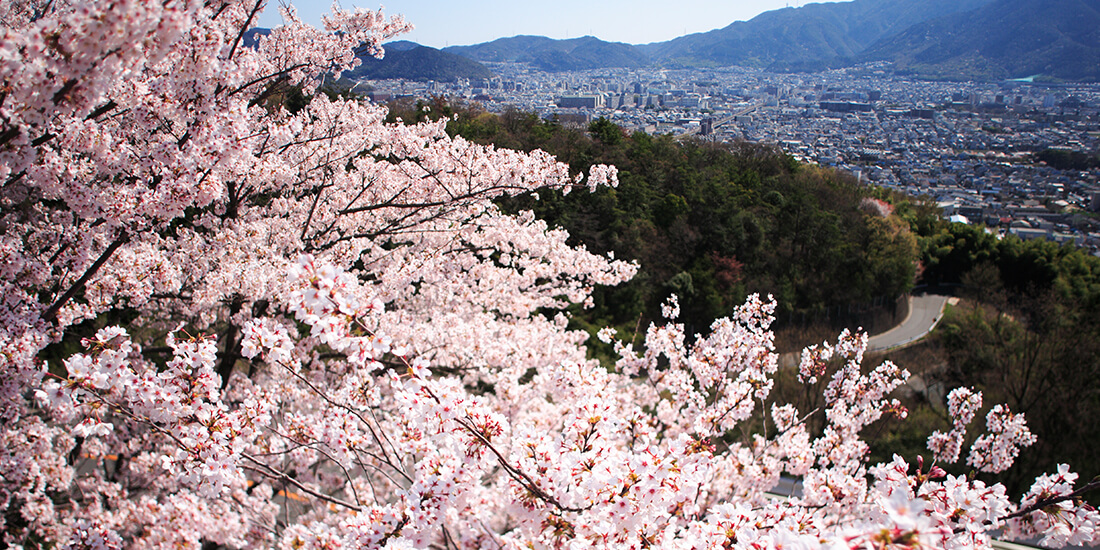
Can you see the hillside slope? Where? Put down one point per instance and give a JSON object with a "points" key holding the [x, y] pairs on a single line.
{"points": [[1056, 39], [412, 61], [576, 54], [815, 34]]}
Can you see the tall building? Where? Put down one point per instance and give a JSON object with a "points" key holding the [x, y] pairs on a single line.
{"points": [[581, 102]]}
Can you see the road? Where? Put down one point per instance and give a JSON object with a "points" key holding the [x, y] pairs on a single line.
{"points": [[924, 312], [728, 119]]}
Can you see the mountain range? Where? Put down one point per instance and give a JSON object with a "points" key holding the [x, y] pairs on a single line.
{"points": [[941, 39], [815, 33], [403, 59], [575, 54], [413, 61], [954, 39], [1057, 39]]}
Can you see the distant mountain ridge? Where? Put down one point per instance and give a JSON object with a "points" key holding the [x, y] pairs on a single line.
{"points": [[812, 34], [574, 54], [403, 59], [943, 39], [412, 61], [954, 39], [1057, 39]]}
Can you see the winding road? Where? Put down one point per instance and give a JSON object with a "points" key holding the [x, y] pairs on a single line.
{"points": [[924, 312]]}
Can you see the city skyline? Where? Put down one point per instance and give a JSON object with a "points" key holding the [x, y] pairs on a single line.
{"points": [[634, 22]]}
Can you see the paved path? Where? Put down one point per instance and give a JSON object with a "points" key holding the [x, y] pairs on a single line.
{"points": [[924, 312]]}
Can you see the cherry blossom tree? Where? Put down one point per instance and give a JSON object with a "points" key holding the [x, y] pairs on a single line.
{"points": [[334, 338]]}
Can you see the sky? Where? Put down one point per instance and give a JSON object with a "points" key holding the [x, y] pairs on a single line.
{"points": [[442, 23]]}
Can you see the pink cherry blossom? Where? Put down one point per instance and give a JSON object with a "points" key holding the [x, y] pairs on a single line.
{"points": [[338, 340]]}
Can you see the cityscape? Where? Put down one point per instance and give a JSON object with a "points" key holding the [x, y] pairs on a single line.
{"points": [[970, 146]]}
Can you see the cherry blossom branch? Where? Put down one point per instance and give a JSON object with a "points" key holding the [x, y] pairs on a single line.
{"points": [[13, 132], [1040, 505], [381, 445], [347, 475], [50, 314], [101, 110], [312, 211], [515, 473], [124, 410], [256, 8], [266, 470], [260, 97]]}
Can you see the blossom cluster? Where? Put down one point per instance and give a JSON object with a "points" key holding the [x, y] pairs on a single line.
{"points": [[1060, 520], [962, 405], [992, 452], [334, 338]]}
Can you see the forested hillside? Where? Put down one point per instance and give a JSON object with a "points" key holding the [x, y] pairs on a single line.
{"points": [[1028, 335], [709, 222]]}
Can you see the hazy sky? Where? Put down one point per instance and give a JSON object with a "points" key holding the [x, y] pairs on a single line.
{"points": [[441, 23]]}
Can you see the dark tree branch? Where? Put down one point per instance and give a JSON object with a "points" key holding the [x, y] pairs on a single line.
{"points": [[244, 28], [101, 110], [1042, 504], [268, 471], [8, 135], [232, 344], [50, 315]]}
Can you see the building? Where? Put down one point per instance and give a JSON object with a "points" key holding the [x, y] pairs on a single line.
{"points": [[845, 106], [581, 102]]}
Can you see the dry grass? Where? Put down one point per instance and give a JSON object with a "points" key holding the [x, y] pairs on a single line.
{"points": [[794, 338]]}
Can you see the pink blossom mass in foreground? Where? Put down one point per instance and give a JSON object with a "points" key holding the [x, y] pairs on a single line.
{"points": [[226, 324]]}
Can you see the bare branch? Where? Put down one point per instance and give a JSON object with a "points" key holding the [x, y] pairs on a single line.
{"points": [[272, 473], [50, 314]]}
